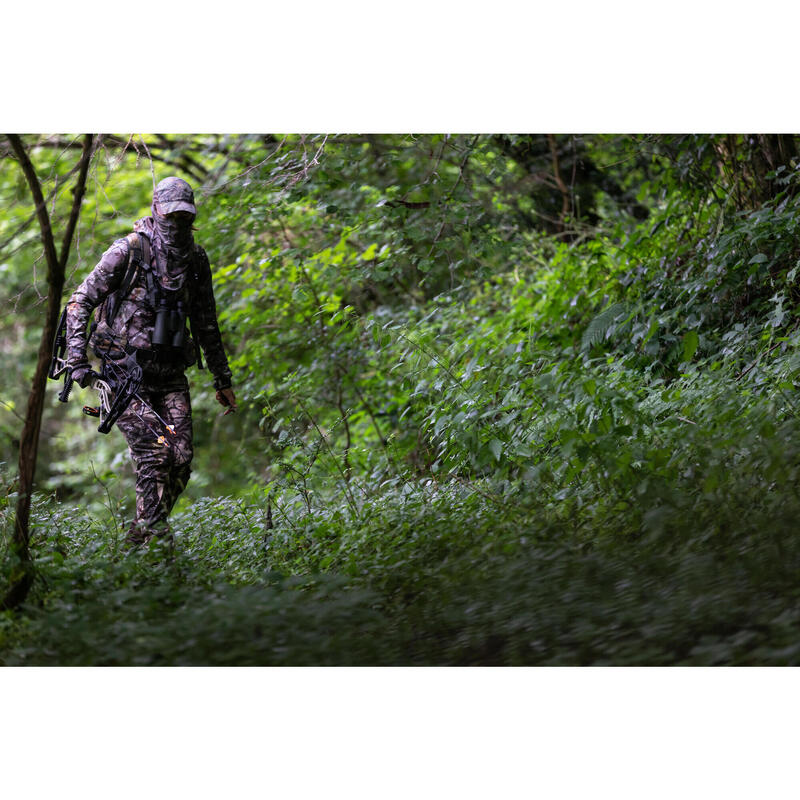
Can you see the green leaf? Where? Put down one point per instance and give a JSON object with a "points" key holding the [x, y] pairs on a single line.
{"points": [[496, 446], [690, 342], [651, 331]]}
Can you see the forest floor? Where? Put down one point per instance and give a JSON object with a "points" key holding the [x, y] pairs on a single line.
{"points": [[437, 578]]}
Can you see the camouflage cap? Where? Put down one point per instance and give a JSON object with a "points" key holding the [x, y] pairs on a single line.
{"points": [[174, 194]]}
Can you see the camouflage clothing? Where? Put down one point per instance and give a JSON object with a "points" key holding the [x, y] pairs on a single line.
{"points": [[170, 271], [162, 467], [174, 194], [135, 320]]}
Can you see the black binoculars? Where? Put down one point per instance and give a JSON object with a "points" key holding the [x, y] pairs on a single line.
{"points": [[170, 327]]}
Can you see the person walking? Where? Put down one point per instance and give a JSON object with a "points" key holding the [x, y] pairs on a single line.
{"points": [[149, 288]]}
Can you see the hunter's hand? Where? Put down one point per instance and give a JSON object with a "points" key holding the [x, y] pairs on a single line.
{"points": [[83, 376], [226, 397]]}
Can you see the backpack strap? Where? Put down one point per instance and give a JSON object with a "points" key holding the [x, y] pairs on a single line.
{"points": [[140, 244], [138, 254]]}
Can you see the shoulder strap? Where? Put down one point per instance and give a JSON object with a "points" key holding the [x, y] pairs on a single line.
{"points": [[138, 254], [143, 245]]}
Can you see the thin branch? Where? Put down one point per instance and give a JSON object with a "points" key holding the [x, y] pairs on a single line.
{"points": [[467, 154], [22, 577], [245, 172], [40, 203], [12, 410], [77, 199], [150, 158], [190, 166], [562, 187], [449, 195]]}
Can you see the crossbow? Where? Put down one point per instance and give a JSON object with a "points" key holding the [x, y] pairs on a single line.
{"points": [[117, 385]]}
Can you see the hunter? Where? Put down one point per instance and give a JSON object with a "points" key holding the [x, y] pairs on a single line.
{"points": [[147, 288]]}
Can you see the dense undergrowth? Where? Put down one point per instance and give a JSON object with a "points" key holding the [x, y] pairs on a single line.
{"points": [[591, 456], [440, 574]]}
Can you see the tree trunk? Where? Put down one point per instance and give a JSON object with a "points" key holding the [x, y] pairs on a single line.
{"points": [[746, 162], [22, 575]]}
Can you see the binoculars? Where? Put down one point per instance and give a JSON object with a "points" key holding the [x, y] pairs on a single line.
{"points": [[170, 327]]}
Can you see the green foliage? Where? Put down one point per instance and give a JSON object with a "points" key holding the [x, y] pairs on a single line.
{"points": [[602, 325], [474, 429]]}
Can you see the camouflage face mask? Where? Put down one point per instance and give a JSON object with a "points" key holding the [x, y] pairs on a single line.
{"points": [[174, 230], [173, 214]]}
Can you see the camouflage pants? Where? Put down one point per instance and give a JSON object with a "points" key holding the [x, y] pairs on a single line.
{"points": [[161, 457]]}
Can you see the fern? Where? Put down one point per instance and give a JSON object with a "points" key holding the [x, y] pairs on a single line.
{"points": [[598, 328]]}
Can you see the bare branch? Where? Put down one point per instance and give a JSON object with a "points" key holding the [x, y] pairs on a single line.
{"points": [[39, 201], [77, 199]]}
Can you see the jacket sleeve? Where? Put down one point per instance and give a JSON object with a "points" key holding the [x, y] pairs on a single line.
{"points": [[204, 323], [105, 278]]}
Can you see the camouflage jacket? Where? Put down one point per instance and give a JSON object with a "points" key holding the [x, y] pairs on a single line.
{"points": [[135, 319]]}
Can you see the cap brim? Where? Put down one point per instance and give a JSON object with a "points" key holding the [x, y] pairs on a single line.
{"points": [[177, 205]]}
